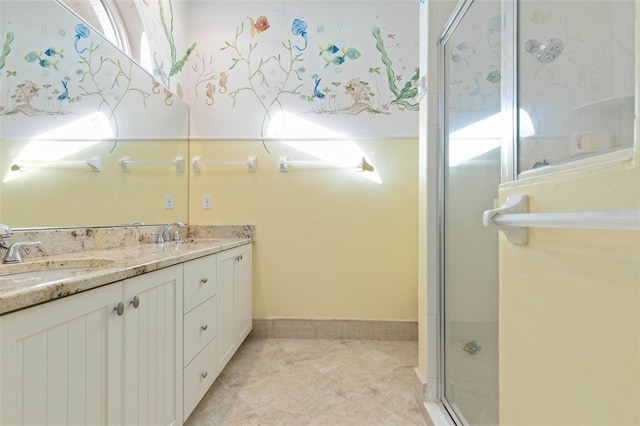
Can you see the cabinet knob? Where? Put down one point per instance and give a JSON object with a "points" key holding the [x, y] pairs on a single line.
{"points": [[204, 375], [238, 258], [119, 309], [135, 302], [204, 280], [204, 327]]}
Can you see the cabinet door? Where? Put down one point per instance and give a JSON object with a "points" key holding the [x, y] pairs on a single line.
{"points": [[235, 310], [59, 361], [243, 295], [226, 306], [153, 348]]}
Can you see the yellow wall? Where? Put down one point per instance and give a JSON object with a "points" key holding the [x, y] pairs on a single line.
{"points": [[570, 305], [569, 308], [330, 243], [77, 196]]}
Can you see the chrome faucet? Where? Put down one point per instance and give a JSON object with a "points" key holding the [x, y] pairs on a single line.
{"points": [[6, 231], [163, 236], [13, 252]]}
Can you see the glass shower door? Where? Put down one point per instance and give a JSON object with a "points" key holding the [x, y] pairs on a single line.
{"points": [[471, 52]]}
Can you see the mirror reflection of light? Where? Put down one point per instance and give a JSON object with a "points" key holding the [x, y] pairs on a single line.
{"points": [[105, 21], [62, 142], [483, 136], [318, 141], [145, 53]]}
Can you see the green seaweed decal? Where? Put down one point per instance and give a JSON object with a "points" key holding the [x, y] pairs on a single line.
{"points": [[176, 64], [6, 49], [409, 91]]}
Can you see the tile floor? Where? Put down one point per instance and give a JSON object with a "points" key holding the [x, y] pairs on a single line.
{"points": [[314, 382]]}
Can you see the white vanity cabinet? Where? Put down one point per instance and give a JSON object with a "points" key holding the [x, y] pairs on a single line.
{"points": [[59, 361], [142, 351], [110, 355], [152, 391], [235, 316], [200, 305]]}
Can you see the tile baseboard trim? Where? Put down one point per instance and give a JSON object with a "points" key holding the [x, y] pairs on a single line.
{"points": [[335, 329]]}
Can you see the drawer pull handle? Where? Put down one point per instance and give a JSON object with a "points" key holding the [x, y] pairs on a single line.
{"points": [[204, 280], [204, 375], [119, 309], [204, 327], [135, 302]]}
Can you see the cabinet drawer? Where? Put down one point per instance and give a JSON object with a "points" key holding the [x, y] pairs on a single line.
{"points": [[198, 377], [199, 329], [199, 281]]}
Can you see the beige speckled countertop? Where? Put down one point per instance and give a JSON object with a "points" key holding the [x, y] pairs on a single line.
{"points": [[76, 271]]}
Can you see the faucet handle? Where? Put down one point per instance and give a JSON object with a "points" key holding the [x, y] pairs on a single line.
{"points": [[164, 233], [7, 231], [13, 252]]}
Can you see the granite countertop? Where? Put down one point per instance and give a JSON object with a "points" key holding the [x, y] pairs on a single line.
{"points": [[26, 284]]}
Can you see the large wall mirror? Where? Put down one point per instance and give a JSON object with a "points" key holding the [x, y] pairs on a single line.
{"points": [[576, 80], [88, 137]]}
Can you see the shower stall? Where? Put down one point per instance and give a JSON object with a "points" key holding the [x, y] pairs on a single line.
{"points": [[526, 88]]}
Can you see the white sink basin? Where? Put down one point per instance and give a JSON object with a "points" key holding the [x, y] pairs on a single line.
{"points": [[50, 269]]}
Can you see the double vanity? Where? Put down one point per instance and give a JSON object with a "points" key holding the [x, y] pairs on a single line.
{"points": [[107, 326]]}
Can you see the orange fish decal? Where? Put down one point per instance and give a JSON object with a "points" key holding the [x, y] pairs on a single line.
{"points": [[259, 25]]}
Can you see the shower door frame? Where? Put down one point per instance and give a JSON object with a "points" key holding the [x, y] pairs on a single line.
{"points": [[508, 151]]}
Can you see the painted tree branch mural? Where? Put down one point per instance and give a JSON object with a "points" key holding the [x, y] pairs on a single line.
{"points": [[362, 77], [257, 83], [118, 82]]}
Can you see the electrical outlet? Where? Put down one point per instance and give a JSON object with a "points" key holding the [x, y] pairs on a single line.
{"points": [[206, 201], [168, 201]]}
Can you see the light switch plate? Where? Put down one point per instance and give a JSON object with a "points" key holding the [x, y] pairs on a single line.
{"points": [[168, 201], [206, 201]]}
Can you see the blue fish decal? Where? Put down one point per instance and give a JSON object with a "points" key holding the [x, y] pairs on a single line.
{"points": [[65, 94], [318, 94], [466, 47], [82, 31], [332, 49], [459, 59], [494, 77], [338, 60], [50, 52], [32, 57], [45, 63], [352, 53], [299, 28]]}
